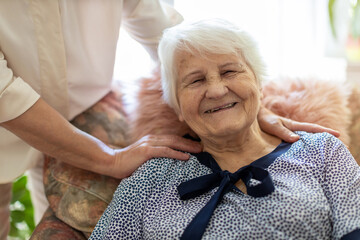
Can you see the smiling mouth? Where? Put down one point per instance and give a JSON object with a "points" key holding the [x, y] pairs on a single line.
{"points": [[230, 105]]}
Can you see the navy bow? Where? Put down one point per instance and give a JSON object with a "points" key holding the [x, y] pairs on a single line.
{"points": [[226, 181]]}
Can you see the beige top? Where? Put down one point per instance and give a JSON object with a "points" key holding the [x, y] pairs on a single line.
{"points": [[64, 51]]}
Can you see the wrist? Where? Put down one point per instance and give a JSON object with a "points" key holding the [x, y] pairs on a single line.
{"points": [[103, 163]]}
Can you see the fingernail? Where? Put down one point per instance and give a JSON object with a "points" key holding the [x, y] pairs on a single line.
{"points": [[294, 136]]}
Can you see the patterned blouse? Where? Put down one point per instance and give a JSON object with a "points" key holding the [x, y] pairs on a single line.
{"points": [[316, 196]]}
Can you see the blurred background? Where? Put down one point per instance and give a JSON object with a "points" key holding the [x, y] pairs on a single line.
{"points": [[298, 38]]}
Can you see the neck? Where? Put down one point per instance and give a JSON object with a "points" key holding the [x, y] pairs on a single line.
{"points": [[235, 151]]}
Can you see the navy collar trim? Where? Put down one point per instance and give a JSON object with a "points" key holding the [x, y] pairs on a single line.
{"points": [[264, 162]]}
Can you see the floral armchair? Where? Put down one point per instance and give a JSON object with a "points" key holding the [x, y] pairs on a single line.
{"points": [[78, 198]]}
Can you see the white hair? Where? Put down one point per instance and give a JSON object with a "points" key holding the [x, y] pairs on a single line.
{"points": [[211, 36]]}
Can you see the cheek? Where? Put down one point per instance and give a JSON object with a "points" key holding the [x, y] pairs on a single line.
{"points": [[255, 101], [247, 90], [251, 94], [189, 104]]}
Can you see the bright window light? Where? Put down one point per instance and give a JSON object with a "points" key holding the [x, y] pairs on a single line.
{"points": [[293, 36]]}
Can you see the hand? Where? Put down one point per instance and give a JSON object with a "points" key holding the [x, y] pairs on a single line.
{"points": [[128, 159], [284, 127]]}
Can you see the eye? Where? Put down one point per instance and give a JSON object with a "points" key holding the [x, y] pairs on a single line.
{"points": [[228, 73], [196, 81]]}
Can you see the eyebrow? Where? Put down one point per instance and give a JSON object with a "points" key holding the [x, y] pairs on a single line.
{"points": [[231, 63], [190, 74]]}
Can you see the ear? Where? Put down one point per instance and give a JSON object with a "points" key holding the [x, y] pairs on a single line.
{"points": [[181, 119], [178, 113]]}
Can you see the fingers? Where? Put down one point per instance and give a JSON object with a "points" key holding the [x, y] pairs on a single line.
{"points": [[308, 127], [273, 124], [283, 132], [128, 159], [172, 141], [284, 127], [168, 153]]}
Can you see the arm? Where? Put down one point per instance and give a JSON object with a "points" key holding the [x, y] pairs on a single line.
{"points": [[46, 130], [284, 128], [37, 123], [16, 96], [145, 21]]}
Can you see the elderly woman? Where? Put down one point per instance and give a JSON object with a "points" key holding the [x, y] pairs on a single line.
{"points": [[246, 184]]}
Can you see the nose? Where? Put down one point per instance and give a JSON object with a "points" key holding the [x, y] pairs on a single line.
{"points": [[216, 88]]}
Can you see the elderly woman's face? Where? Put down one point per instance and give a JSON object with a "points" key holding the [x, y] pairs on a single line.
{"points": [[218, 95]]}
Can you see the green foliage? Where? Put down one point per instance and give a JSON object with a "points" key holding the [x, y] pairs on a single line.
{"points": [[22, 212], [355, 26], [331, 16], [354, 17]]}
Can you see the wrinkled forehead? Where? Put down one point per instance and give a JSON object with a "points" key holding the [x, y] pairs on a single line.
{"points": [[194, 61], [184, 59]]}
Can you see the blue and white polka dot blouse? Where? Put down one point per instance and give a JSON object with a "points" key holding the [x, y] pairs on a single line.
{"points": [[316, 196]]}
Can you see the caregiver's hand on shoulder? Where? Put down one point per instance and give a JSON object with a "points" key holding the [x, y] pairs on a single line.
{"points": [[284, 127], [128, 159]]}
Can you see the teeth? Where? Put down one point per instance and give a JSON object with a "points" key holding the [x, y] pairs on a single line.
{"points": [[217, 109]]}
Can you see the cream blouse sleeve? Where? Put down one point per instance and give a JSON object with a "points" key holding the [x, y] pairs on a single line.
{"points": [[16, 96], [146, 20]]}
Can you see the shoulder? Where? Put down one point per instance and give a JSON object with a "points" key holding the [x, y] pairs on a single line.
{"points": [[169, 168], [313, 148], [321, 146], [318, 140], [315, 137]]}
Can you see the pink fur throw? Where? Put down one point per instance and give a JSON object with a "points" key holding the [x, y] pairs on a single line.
{"points": [[310, 100], [151, 115]]}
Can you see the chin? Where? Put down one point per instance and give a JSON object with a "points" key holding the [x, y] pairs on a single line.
{"points": [[228, 128], [227, 131]]}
